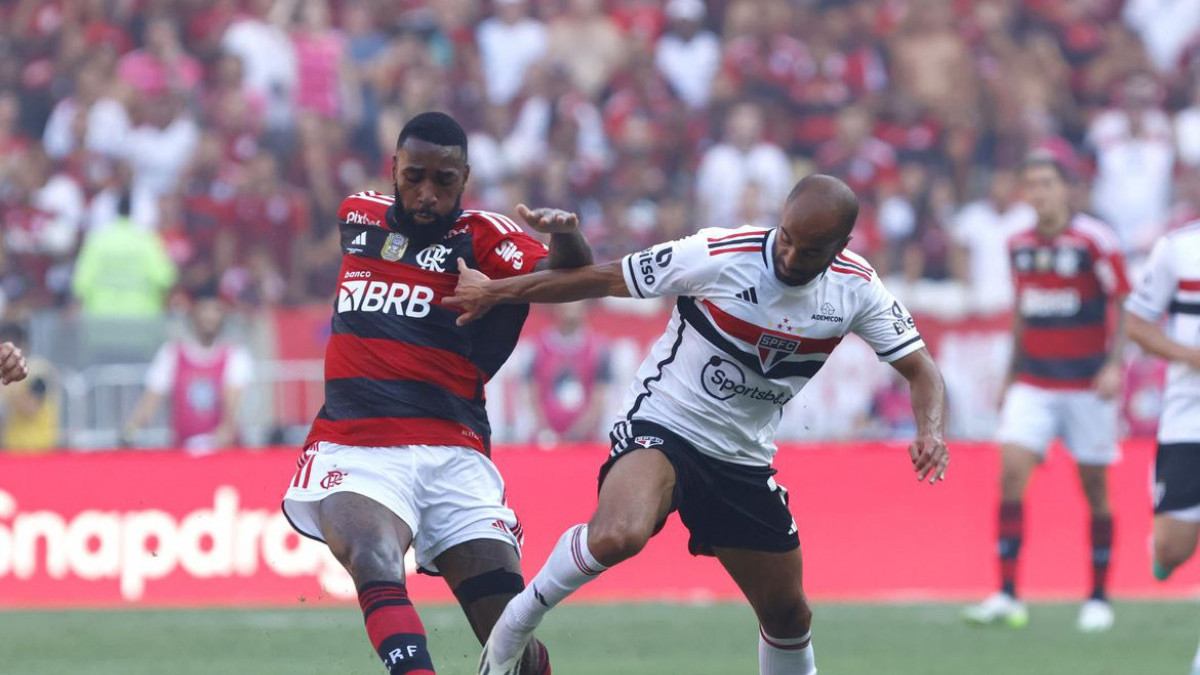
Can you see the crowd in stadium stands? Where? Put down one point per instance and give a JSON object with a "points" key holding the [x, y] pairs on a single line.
{"points": [[151, 148]]}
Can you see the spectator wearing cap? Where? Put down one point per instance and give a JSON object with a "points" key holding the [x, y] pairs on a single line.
{"points": [[688, 55], [202, 375], [510, 41]]}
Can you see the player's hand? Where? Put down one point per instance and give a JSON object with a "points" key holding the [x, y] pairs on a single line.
{"points": [[1108, 381], [929, 458], [471, 295], [12, 364], [549, 221]]}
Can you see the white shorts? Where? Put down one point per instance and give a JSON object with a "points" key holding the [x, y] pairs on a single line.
{"points": [[1032, 417], [447, 495]]}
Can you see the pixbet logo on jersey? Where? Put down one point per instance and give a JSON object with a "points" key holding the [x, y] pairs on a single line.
{"points": [[381, 296]]}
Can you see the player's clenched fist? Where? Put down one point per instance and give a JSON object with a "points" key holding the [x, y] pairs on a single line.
{"points": [[12, 364], [471, 294], [549, 221], [930, 458]]}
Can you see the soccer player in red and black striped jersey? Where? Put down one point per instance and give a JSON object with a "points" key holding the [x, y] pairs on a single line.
{"points": [[398, 456], [1064, 378]]}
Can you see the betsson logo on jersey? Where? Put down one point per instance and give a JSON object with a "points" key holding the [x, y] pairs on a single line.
{"points": [[381, 296]]}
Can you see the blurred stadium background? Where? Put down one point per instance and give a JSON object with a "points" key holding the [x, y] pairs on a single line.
{"points": [[151, 150]]}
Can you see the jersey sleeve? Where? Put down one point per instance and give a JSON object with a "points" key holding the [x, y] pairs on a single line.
{"points": [[503, 249], [1153, 293], [160, 377], [885, 324], [680, 267], [1110, 267]]}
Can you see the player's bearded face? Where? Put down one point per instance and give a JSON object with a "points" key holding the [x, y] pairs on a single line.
{"points": [[799, 260], [429, 180], [425, 226]]}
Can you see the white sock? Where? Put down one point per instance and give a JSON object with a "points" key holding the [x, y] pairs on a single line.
{"points": [[1196, 662], [786, 656], [570, 566]]}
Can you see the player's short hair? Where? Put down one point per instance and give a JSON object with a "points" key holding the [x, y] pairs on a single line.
{"points": [[1043, 159], [434, 127]]}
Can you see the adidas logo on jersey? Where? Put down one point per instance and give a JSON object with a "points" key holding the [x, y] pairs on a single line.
{"points": [[750, 295], [381, 296]]}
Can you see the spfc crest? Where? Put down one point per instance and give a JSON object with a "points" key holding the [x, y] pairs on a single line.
{"points": [[648, 441], [394, 247], [775, 347]]}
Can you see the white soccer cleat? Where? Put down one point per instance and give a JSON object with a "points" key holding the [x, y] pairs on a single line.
{"points": [[504, 649], [1096, 616], [999, 608]]}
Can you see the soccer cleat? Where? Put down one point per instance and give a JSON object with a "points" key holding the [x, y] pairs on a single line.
{"points": [[1000, 608], [493, 662], [1096, 616]]}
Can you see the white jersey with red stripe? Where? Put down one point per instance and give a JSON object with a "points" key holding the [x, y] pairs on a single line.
{"points": [[741, 343], [1170, 286]]}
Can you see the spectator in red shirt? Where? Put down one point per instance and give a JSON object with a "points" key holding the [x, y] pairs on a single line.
{"points": [[855, 155], [271, 215]]}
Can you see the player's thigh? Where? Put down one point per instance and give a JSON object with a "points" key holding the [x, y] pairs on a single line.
{"points": [[1029, 418], [461, 500], [359, 501], [1175, 536], [637, 493], [1089, 428], [1017, 464], [773, 585]]}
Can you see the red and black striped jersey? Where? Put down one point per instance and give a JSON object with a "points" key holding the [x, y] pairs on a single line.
{"points": [[1064, 287], [398, 370]]}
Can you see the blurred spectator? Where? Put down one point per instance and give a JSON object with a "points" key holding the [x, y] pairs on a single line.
{"points": [[162, 65], [856, 156], [203, 377], [1135, 156], [30, 408], [91, 118], [765, 61], [569, 376], [122, 271], [980, 249], [1186, 208], [588, 43], [510, 42], [745, 158], [272, 217], [688, 55], [1187, 129], [1166, 27], [931, 60], [320, 60], [160, 147], [268, 59]]}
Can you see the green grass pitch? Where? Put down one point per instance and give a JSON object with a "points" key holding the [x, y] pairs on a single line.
{"points": [[922, 639]]}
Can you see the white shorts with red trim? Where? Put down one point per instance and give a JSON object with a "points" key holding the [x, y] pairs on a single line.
{"points": [[1032, 417], [447, 495]]}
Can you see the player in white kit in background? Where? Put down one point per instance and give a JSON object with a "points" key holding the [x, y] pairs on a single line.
{"points": [[758, 312], [1170, 287]]}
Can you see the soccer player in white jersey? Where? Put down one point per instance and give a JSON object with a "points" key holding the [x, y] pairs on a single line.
{"points": [[1170, 287], [758, 312]]}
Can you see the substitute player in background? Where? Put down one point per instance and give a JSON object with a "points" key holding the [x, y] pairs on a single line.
{"points": [[1063, 380], [1170, 286], [758, 313], [398, 455]]}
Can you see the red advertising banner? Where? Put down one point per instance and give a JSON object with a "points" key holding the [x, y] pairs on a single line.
{"points": [[165, 529]]}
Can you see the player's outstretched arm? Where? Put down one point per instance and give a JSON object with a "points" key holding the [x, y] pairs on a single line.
{"points": [[568, 247], [1150, 336], [476, 293], [12, 364], [928, 451]]}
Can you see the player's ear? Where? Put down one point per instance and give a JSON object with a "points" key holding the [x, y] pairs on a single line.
{"points": [[466, 173]]}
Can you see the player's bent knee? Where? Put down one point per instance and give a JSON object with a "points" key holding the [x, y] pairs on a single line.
{"points": [[1169, 553], [786, 618], [611, 543]]}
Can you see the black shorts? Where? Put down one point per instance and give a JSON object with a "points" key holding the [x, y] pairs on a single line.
{"points": [[722, 504], [1176, 477]]}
